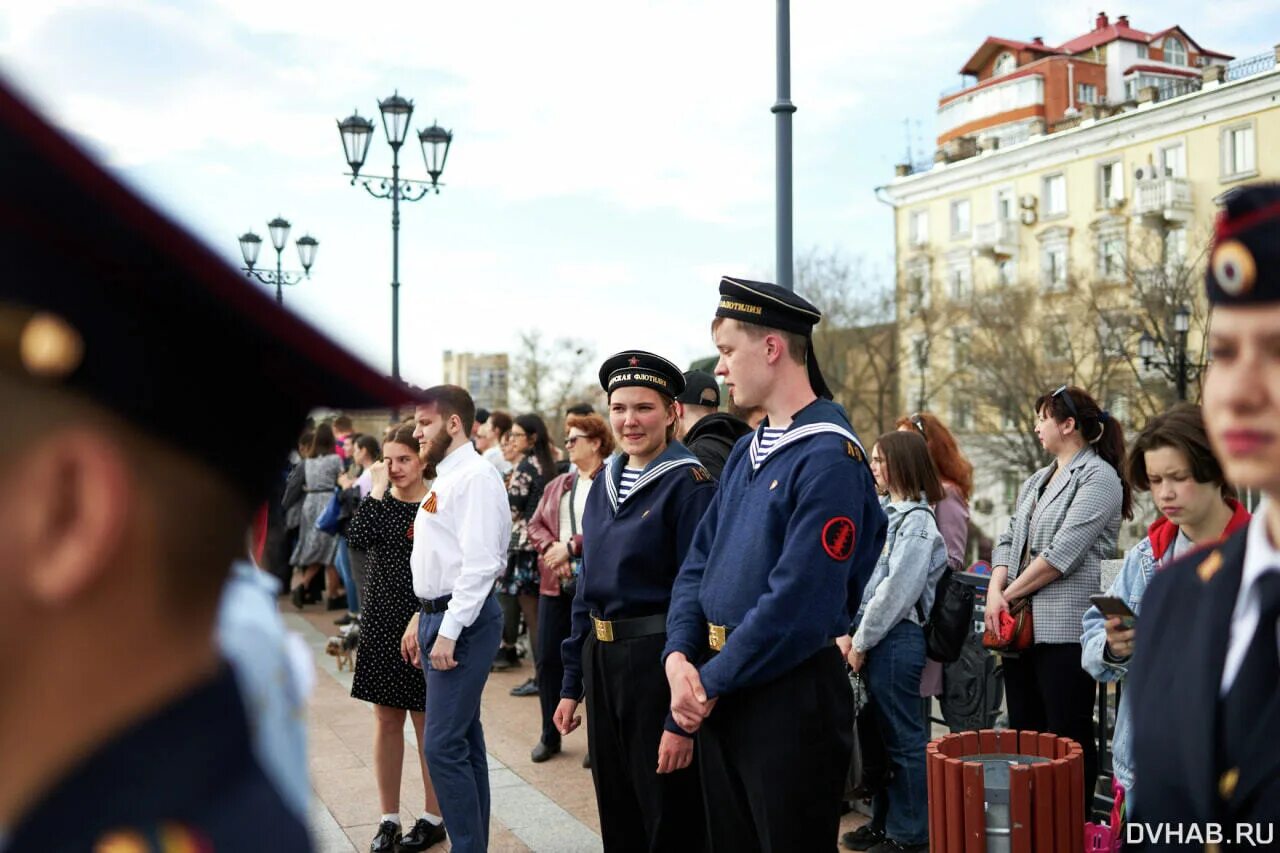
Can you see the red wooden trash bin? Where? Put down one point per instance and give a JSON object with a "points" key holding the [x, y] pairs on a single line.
{"points": [[1005, 792]]}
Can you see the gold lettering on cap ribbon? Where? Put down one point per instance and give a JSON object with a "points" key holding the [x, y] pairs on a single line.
{"points": [[730, 305]]}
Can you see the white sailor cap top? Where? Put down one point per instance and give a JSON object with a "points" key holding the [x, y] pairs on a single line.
{"points": [[644, 369]]}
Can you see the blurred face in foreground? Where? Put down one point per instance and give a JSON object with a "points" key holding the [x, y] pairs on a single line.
{"points": [[1241, 396]]}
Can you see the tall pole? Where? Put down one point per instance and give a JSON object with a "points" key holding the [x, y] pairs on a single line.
{"points": [[279, 276], [1182, 366], [395, 261], [782, 109]]}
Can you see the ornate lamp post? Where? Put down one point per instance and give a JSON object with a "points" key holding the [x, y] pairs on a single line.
{"points": [[1182, 371], [278, 228], [357, 132]]}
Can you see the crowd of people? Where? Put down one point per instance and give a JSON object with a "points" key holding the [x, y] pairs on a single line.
{"points": [[708, 607]]}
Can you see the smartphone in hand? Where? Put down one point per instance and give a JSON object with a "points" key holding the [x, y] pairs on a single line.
{"points": [[1109, 605]]}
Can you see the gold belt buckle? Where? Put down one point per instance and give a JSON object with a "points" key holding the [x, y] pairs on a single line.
{"points": [[604, 630], [716, 635]]}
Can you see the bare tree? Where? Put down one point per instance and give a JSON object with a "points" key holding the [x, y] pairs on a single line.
{"points": [[548, 377]]}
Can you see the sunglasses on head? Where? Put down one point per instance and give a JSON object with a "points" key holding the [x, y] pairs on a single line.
{"points": [[1066, 398], [918, 423]]}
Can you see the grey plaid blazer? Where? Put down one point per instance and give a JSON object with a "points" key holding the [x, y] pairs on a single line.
{"points": [[1073, 526]]}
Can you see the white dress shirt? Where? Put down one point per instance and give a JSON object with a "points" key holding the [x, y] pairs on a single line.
{"points": [[1260, 557], [461, 548]]}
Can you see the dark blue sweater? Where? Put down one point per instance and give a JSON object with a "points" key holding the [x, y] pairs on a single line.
{"points": [[632, 551], [782, 555]]}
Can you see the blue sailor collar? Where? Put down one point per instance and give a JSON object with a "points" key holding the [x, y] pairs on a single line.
{"points": [[820, 416], [675, 456]]}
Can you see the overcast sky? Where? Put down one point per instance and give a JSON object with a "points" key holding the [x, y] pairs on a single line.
{"points": [[611, 159]]}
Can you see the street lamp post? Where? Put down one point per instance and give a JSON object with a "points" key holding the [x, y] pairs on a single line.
{"points": [[1182, 370], [278, 228], [922, 365], [782, 110], [356, 132]]}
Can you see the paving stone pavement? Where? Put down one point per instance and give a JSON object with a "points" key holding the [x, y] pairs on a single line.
{"points": [[535, 807]]}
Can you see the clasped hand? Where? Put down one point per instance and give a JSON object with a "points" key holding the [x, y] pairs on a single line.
{"points": [[689, 702]]}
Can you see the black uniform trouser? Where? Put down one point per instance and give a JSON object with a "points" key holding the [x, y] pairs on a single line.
{"points": [[775, 757], [1046, 690], [555, 623], [627, 703]]}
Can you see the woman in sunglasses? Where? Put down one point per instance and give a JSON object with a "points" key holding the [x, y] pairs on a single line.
{"points": [[1065, 523]]}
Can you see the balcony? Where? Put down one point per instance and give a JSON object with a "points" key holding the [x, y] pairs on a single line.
{"points": [[998, 238], [1163, 198]]}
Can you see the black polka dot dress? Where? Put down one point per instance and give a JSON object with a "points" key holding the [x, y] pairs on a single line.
{"points": [[384, 529]]}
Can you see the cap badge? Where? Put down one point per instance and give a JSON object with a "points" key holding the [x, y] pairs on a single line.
{"points": [[1234, 268], [49, 347], [633, 361]]}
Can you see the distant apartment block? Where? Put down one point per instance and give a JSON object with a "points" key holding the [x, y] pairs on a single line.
{"points": [[484, 375]]}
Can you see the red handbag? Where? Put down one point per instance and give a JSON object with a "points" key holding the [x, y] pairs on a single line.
{"points": [[1017, 629]]}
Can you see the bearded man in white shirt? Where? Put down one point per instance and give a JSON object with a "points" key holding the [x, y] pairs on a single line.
{"points": [[460, 540]]}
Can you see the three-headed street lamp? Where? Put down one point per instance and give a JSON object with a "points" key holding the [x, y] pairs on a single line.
{"points": [[1182, 371], [278, 228], [357, 132]]}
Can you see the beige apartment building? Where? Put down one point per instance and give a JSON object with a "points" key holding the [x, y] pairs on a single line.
{"points": [[1044, 254], [484, 375]]}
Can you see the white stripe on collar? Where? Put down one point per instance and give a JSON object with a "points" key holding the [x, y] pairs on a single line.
{"points": [[647, 477], [759, 457]]}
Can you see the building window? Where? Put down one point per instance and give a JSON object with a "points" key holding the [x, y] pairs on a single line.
{"points": [[1005, 63], [917, 287], [1173, 161], [1174, 250], [1005, 209], [960, 218], [961, 412], [1175, 52], [1143, 52], [1111, 256], [1012, 481], [1053, 195], [1110, 183], [1113, 334], [1118, 406], [960, 276], [1006, 272], [1009, 417], [918, 227], [1238, 157], [1087, 93], [1054, 267], [961, 347], [1057, 346]]}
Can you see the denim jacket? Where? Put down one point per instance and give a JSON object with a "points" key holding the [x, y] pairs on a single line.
{"points": [[907, 572], [1129, 586]]}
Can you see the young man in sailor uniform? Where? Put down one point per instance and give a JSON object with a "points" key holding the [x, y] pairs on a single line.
{"points": [[1204, 683], [775, 570], [636, 531]]}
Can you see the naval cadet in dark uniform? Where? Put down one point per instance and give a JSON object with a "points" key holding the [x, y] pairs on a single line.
{"points": [[636, 530], [762, 605], [1204, 685], [120, 336]]}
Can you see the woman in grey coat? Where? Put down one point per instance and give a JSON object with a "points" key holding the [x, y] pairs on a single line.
{"points": [[1066, 522], [316, 549]]}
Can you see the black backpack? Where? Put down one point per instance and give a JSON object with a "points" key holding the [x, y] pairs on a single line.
{"points": [[951, 617]]}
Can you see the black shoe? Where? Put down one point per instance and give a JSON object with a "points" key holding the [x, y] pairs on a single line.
{"points": [[297, 597], [529, 688], [344, 620], [542, 752], [862, 838], [505, 659], [423, 835], [338, 602], [891, 846], [586, 761], [387, 838]]}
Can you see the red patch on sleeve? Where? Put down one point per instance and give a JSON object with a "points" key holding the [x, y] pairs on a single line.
{"points": [[838, 537]]}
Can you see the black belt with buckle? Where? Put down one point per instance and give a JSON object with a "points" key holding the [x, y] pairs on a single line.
{"points": [[717, 635], [435, 605], [613, 630]]}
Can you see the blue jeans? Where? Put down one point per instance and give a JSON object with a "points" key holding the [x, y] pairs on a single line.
{"points": [[892, 672], [453, 741], [343, 564]]}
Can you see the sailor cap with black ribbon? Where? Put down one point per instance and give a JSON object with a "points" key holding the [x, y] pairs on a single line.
{"points": [[763, 304], [643, 369], [1244, 267]]}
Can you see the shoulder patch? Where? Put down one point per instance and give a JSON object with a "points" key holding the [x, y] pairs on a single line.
{"points": [[699, 474], [1209, 566], [853, 450], [838, 537]]}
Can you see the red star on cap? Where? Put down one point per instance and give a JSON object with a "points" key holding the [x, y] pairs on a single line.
{"points": [[633, 361]]}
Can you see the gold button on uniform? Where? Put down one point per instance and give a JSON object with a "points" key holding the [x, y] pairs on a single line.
{"points": [[1227, 783]]}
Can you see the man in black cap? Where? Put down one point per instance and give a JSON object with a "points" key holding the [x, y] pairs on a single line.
{"points": [[765, 595], [1204, 685], [120, 727], [702, 427]]}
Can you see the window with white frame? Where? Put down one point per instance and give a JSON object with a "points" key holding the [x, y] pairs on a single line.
{"points": [[1174, 249], [918, 227], [960, 278], [1006, 272], [1006, 209], [1111, 255], [1053, 265], [1110, 183], [1113, 333], [960, 218], [1053, 195], [961, 347], [1005, 63], [1175, 52], [1143, 52], [1172, 160], [961, 411], [1239, 159], [1086, 93], [917, 281]]}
